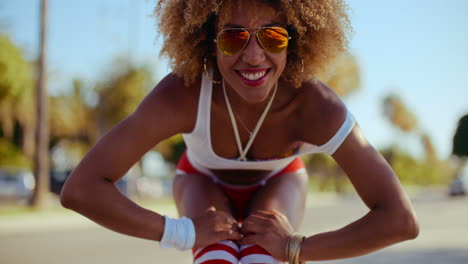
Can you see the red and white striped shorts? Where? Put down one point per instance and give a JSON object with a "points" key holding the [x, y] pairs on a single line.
{"points": [[228, 252]]}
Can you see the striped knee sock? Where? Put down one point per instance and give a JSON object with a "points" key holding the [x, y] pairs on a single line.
{"points": [[253, 254], [224, 252]]}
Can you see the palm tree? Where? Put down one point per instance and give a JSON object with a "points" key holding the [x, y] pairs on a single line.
{"points": [[401, 117], [41, 155], [398, 114], [344, 76]]}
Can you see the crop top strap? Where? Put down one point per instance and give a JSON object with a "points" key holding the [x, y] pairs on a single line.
{"points": [[204, 106], [335, 142]]}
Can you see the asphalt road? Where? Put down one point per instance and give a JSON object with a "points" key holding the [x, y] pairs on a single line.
{"points": [[443, 238]]}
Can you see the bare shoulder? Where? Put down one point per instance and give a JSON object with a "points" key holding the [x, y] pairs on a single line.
{"points": [[321, 112], [165, 111], [172, 101]]}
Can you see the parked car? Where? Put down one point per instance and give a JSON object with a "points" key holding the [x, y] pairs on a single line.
{"points": [[59, 176], [16, 183], [57, 179]]}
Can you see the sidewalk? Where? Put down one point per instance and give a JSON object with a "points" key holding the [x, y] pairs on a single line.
{"points": [[57, 218]]}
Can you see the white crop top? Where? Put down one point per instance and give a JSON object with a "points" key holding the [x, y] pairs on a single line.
{"points": [[202, 156]]}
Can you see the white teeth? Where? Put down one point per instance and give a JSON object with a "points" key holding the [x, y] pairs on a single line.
{"points": [[253, 76]]}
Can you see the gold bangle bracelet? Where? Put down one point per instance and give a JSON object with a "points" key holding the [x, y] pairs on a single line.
{"points": [[293, 249]]}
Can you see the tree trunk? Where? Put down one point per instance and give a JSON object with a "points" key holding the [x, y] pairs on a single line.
{"points": [[28, 137], [41, 155], [6, 120]]}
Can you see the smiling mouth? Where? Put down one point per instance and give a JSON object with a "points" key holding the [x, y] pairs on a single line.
{"points": [[253, 75]]}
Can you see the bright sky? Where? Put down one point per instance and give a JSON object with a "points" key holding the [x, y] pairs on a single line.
{"points": [[416, 49]]}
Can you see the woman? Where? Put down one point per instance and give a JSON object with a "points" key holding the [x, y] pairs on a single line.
{"points": [[243, 97]]}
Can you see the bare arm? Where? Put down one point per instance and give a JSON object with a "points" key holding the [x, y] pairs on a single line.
{"points": [[169, 109], [390, 219], [90, 188]]}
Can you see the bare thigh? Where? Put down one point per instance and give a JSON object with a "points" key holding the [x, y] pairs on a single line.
{"points": [[194, 194], [286, 194]]}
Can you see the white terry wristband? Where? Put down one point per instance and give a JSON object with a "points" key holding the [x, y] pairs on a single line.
{"points": [[178, 233]]}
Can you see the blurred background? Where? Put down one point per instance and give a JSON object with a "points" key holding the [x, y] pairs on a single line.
{"points": [[70, 70]]}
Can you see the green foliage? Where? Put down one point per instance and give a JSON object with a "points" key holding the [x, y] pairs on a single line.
{"points": [[418, 172], [325, 174], [172, 148], [398, 114], [344, 77], [74, 122], [71, 117], [396, 111], [15, 71], [16, 99], [431, 154], [11, 156], [121, 94], [460, 139], [16, 88]]}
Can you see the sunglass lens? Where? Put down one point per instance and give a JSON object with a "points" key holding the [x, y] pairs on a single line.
{"points": [[273, 39], [231, 41]]}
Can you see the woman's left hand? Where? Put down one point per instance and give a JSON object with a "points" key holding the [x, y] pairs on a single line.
{"points": [[268, 229]]}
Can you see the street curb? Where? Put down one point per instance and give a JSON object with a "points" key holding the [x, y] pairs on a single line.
{"points": [[57, 220]]}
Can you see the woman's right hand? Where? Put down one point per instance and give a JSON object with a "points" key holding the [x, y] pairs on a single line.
{"points": [[215, 226]]}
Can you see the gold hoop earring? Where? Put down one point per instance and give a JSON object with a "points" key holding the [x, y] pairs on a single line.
{"points": [[302, 66], [207, 74]]}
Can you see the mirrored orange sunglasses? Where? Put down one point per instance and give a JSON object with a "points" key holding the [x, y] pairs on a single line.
{"points": [[231, 41]]}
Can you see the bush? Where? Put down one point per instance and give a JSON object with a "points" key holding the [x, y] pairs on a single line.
{"points": [[414, 171], [326, 175], [11, 156]]}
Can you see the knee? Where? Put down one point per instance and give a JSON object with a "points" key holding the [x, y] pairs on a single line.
{"points": [[300, 180], [182, 181], [292, 181]]}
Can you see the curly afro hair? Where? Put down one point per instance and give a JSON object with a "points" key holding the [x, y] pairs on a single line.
{"points": [[319, 31]]}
